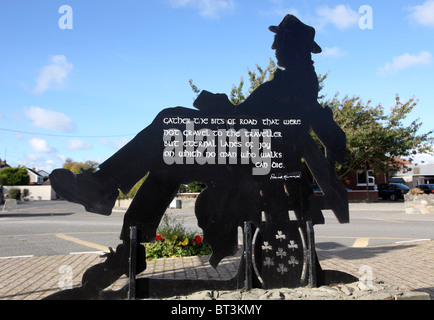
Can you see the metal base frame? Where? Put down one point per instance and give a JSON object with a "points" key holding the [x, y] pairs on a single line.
{"points": [[141, 288]]}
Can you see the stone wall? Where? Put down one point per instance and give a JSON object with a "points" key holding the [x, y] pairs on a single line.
{"points": [[188, 201], [362, 195], [419, 203], [36, 192]]}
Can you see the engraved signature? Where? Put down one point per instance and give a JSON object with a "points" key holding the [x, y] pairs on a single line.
{"points": [[292, 175]]}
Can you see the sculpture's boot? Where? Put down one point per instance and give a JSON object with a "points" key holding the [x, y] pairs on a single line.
{"points": [[102, 275], [86, 188]]}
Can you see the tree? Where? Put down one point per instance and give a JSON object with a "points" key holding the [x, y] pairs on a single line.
{"points": [[374, 139], [133, 191], [78, 167], [237, 95], [14, 176]]}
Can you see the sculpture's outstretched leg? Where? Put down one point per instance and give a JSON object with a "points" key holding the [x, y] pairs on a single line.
{"points": [[98, 191], [87, 188]]}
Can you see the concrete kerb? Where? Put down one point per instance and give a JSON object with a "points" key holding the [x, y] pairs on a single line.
{"points": [[399, 271]]}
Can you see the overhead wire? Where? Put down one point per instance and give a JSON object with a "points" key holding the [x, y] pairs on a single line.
{"points": [[65, 136]]}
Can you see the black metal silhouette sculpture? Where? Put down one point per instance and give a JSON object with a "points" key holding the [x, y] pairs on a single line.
{"points": [[250, 157]]}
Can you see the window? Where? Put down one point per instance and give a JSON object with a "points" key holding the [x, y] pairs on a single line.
{"points": [[361, 178]]}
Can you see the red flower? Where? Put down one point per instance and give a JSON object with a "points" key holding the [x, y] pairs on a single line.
{"points": [[197, 239], [159, 237]]}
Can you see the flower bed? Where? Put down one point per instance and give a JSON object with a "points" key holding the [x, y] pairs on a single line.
{"points": [[173, 240]]}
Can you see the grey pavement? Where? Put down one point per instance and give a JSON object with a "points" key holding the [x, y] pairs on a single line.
{"points": [[408, 266]]}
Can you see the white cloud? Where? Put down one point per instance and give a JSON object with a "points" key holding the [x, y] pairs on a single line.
{"points": [[206, 8], [77, 144], [423, 14], [280, 9], [31, 158], [405, 61], [53, 75], [38, 162], [40, 145], [116, 143], [332, 52], [423, 158], [341, 16], [49, 119], [60, 158]]}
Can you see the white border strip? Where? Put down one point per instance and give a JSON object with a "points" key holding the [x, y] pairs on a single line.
{"points": [[14, 257], [417, 240], [89, 252]]}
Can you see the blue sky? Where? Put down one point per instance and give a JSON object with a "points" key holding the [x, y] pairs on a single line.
{"points": [[83, 87]]}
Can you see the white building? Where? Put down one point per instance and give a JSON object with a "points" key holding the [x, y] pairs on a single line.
{"points": [[35, 178], [417, 174]]}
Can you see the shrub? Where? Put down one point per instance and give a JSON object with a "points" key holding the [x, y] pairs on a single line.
{"points": [[14, 176], [14, 193], [193, 187], [132, 192], [173, 240], [415, 191]]}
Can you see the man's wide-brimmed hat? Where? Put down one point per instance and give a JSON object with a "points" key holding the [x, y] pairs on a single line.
{"points": [[292, 23]]}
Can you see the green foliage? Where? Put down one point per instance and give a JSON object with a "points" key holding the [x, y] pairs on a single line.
{"points": [[133, 190], [193, 187], [14, 176], [237, 96], [173, 240], [78, 167], [14, 193], [195, 89], [377, 139]]}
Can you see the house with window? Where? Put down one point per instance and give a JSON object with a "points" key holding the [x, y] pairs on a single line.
{"points": [[35, 177], [363, 185], [3, 164]]}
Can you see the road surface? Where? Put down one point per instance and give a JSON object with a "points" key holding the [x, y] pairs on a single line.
{"points": [[42, 228]]}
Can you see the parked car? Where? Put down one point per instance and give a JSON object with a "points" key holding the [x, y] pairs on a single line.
{"points": [[426, 188], [392, 191]]}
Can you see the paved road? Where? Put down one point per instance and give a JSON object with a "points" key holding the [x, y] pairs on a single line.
{"points": [[56, 227], [373, 224]]}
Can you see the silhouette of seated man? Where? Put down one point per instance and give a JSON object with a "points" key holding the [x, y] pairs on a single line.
{"points": [[233, 194]]}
